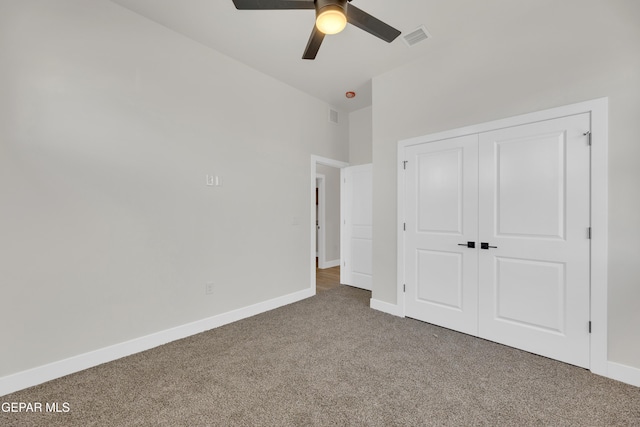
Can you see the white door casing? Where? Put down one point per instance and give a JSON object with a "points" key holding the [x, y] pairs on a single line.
{"points": [[532, 284], [320, 219], [598, 274], [357, 226]]}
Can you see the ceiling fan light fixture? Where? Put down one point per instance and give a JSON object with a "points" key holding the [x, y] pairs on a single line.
{"points": [[331, 19]]}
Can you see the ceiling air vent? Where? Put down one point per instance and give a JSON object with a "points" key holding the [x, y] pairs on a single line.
{"points": [[333, 116], [416, 36]]}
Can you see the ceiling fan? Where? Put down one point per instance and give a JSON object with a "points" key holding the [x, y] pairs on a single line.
{"points": [[331, 18]]}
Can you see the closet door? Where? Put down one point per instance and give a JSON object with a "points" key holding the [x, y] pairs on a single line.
{"points": [[441, 271], [534, 219]]}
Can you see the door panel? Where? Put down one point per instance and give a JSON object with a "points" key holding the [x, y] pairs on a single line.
{"points": [[361, 262], [441, 214], [357, 250], [534, 208], [530, 185], [440, 278], [530, 293], [440, 177]]}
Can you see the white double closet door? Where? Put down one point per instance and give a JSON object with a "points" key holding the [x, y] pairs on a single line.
{"points": [[520, 195]]}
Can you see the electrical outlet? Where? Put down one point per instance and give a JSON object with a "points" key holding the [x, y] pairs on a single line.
{"points": [[208, 289]]}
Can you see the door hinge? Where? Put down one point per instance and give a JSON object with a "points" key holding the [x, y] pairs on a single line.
{"points": [[404, 226], [588, 135], [589, 326], [404, 288], [404, 164], [589, 233]]}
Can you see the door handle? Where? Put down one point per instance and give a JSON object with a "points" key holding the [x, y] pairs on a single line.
{"points": [[468, 244], [484, 245]]}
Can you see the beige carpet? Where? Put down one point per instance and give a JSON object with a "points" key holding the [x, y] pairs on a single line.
{"points": [[330, 360]]}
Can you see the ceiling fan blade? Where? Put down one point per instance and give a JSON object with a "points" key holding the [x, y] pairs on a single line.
{"points": [[314, 44], [273, 4], [368, 23]]}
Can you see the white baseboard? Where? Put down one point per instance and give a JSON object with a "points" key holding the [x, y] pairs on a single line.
{"points": [[623, 373], [51, 371], [329, 264], [385, 307]]}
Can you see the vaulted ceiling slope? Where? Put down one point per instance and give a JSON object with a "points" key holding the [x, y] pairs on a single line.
{"points": [[272, 41]]}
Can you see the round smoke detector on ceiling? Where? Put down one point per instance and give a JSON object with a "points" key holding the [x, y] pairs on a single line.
{"points": [[350, 94]]}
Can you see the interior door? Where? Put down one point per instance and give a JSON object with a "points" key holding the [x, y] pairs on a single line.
{"points": [[534, 217], [441, 267], [357, 230]]}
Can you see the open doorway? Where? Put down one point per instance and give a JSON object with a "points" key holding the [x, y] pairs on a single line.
{"points": [[327, 228], [325, 223]]}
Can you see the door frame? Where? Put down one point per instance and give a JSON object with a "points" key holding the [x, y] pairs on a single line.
{"points": [[598, 109], [315, 161], [320, 236]]}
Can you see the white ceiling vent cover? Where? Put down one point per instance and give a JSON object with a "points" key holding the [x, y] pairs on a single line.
{"points": [[416, 36], [333, 116]]}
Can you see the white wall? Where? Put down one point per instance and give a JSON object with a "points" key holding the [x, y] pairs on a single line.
{"points": [[562, 53], [360, 136], [108, 125], [332, 211]]}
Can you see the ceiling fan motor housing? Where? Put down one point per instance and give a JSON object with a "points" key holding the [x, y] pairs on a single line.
{"points": [[325, 5]]}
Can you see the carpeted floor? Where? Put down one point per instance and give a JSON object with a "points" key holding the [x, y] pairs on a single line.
{"points": [[331, 360]]}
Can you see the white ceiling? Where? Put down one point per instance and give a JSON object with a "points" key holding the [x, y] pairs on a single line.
{"points": [[273, 41]]}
